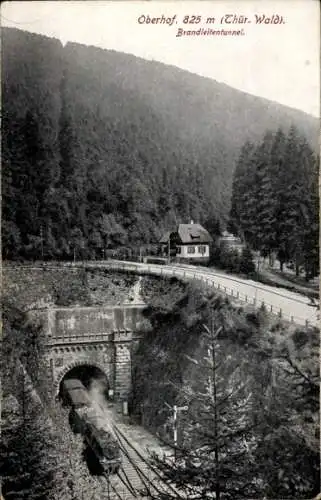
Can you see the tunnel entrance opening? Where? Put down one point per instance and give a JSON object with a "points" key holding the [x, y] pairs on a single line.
{"points": [[93, 379], [83, 392]]}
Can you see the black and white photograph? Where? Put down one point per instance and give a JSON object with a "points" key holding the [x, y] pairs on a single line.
{"points": [[160, 250]]}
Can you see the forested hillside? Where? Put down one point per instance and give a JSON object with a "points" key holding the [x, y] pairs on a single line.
{"points": [[102, 149]]}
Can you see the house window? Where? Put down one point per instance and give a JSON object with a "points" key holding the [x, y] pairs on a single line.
{"points": [[190, 249], [178, 249], [202, 249]]}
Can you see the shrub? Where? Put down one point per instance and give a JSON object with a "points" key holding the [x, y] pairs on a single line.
{"points": [[300, 338], [229, 260], [247, 265]]}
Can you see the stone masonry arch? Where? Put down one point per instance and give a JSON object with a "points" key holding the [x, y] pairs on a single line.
{"points": [[99, 336], [81, 362]]}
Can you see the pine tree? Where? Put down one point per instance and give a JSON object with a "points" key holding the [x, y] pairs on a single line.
{"points": [[28, 465], [265, 196], [214, 458], [290, 190], [242, 191], [275, 200], [311, 216], [247, 265]]}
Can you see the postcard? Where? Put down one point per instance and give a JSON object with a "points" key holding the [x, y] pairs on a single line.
{"points": [[160, 249]]}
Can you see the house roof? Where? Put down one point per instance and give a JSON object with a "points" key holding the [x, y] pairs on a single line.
{"points": [[230, 238], [193, 233], [189, 233], [165, 237]]}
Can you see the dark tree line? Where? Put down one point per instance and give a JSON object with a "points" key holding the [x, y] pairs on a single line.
{"points": [[275, 199]]}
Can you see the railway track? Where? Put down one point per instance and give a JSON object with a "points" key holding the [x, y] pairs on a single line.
{"points": [[129, 483], [146, 479], [132, 480], [136, 478], [136, 467], [115, 487]]}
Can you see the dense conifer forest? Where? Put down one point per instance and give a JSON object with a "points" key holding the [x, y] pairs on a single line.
{"points": [[102, 150], [275, 199]]}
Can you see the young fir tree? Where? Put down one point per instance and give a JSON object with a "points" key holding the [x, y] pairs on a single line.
{"points": [[215, 456]]}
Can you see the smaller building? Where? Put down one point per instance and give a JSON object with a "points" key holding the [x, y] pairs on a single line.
{"points": [[188, 243], [231, 242]]}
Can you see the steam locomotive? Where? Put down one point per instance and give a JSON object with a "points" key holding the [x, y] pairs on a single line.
{"points": [[92, 424]]}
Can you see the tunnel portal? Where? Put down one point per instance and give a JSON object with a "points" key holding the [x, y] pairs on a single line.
{"points": [[93, 379]]}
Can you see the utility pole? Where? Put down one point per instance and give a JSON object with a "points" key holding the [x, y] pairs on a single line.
{"points": [[175, 431], [175, 410], [41, 240], [169, 248]]}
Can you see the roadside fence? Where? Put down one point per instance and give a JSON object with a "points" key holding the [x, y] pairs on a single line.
{"points": [[182, 272], [152, 269]]}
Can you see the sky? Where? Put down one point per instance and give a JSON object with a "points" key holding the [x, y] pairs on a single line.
{"points": [[278, 61]]}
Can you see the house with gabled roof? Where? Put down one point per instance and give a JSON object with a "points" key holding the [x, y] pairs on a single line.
{"points": [[188, 243], [231, 242]]}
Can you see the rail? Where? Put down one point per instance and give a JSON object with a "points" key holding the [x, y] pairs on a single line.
{"points": [[143, 467]]}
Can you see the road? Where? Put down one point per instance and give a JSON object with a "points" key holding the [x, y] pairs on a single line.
{"points": [[289, 305]]}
